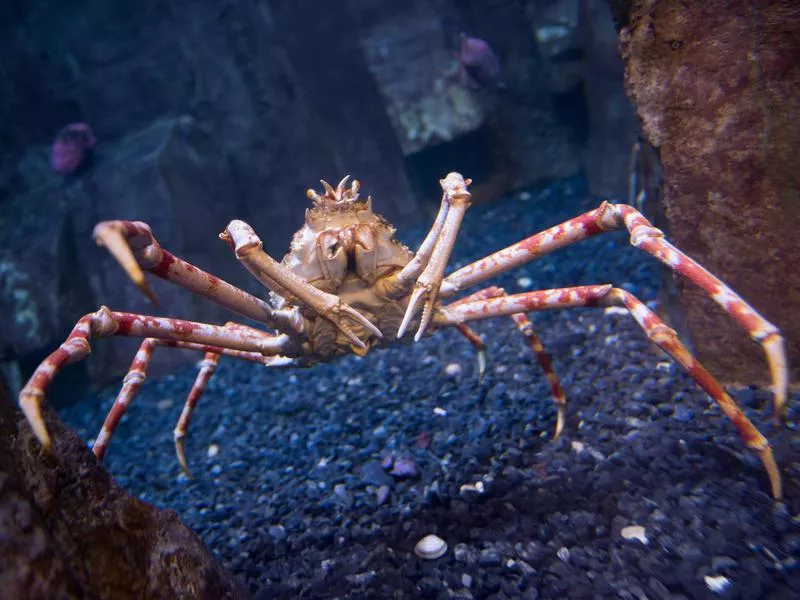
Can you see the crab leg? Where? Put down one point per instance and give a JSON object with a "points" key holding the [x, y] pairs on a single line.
{"points": [[130, 387], [207, 367], [105, 323], [133, 245], [643, 235], [133, 380], [664, 337], [525, 327], [426, 289], [248, 248]]}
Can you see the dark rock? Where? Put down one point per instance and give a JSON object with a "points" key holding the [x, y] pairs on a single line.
{"points": [[489, 557], [726, 137], [70, 531]]}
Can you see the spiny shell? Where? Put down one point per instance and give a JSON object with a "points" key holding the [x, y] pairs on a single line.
{"points": [[430, 547]]}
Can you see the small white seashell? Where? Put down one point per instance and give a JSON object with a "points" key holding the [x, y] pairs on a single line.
{"points": [[717, 583], [563, 554], [634, 532], [213, 450], [453, 370], [439, 411], [430, 547], [471, 488], [524, 282]]}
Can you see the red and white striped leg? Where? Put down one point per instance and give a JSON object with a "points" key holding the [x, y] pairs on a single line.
{"points": [[643, 235], [130, 387], [656, 330], [105, 323], [138, 372], [207, 367], [133, 246], [525, 327]]}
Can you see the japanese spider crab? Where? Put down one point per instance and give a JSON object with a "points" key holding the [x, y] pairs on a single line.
{"points": [[347, 286]]}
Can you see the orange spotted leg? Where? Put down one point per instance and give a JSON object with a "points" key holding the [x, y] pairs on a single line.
{"points": [[609, 217], [664, 337], [525, 327]]}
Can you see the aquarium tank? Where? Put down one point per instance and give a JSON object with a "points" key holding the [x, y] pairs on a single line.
{"points": [[364, 299]]}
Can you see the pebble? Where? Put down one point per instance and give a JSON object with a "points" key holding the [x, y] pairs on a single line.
{"points": [[717, 583], [381, 495], [213, 450]]}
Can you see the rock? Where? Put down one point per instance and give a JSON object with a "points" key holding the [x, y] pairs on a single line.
{"points": [[613, 123], [727, 135], [69, 530], [52, 272]]}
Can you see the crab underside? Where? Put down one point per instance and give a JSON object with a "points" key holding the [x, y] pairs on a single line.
{"points": [[347, 286]]}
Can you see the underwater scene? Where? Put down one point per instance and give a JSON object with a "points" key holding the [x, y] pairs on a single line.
{"points": [[362, 299]]}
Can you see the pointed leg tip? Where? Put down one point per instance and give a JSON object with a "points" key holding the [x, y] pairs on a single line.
{"points": [[45, 440], [481, 365], [181, 454], [560, 419], [148, 292], [31, 408]]}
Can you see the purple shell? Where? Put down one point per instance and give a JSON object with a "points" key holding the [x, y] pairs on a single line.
{"points": [[71, 147]]}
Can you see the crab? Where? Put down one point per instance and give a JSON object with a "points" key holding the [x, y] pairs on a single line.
{"points": [[348, 286]]}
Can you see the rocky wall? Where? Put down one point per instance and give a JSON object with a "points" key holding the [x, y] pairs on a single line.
{"points": [[717, 90]]}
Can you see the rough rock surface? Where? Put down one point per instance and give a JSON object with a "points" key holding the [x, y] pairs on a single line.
{"points": [[717, 89], [51, 270], [68, 530]]}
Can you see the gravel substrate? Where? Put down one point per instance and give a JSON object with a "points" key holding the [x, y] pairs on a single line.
{"points": [[293, 487]]}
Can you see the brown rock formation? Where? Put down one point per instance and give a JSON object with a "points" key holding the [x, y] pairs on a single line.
{"points": [[67, 530], [717, 88]]}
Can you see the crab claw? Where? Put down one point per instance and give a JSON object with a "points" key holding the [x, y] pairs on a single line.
{"points": [[343, 310], [106, 234], [416, 295], [455, 194], [421, 290]]}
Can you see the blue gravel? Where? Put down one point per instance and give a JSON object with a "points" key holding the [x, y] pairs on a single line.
{"points": [[291, 491]]}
